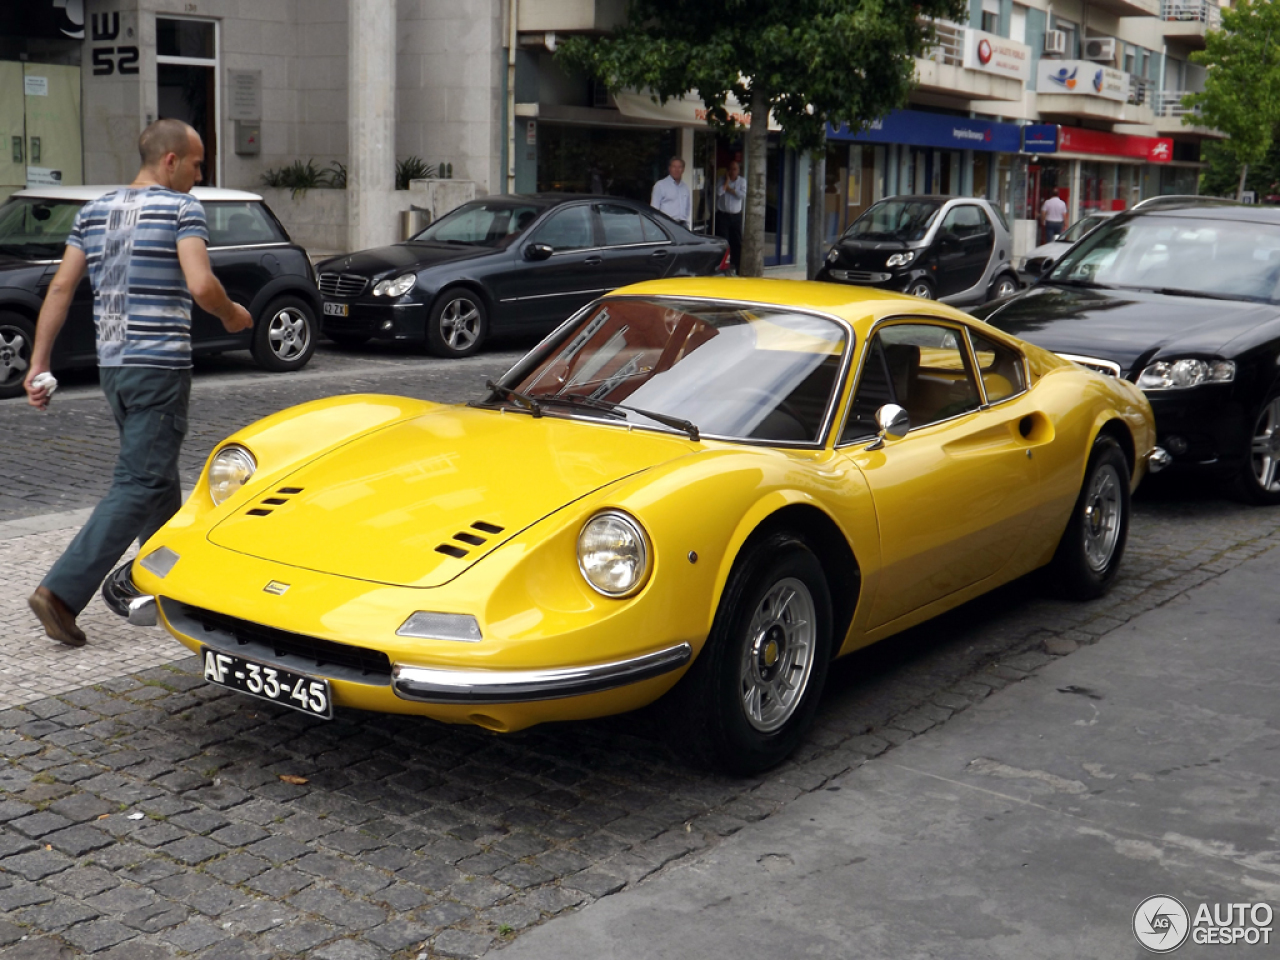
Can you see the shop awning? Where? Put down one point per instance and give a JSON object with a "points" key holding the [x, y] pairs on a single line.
{"points": [[684, 111], [916, 128]]}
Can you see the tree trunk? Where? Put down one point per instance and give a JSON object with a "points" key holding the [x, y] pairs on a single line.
{"points": [[817, 210], [757, 169], [1244, 174]]}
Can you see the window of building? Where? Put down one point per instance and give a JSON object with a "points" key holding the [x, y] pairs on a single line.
{"points": [[1071, 30], [991, 17], [1018, 23]]}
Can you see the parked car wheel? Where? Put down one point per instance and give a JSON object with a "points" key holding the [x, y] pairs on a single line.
{"points": [[753, 691], [1092, 546], [349, 341], [1005, 285], [458, 324], [920, 288], [284, 336], [17, 337], [1259, 477]]}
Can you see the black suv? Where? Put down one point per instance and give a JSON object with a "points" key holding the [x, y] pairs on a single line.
{"points": [[250, 251]]}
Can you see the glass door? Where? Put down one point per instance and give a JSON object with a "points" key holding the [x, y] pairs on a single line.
{"points": [[187, 81], [779, 206]]}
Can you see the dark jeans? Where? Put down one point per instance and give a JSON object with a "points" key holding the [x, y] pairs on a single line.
{"points": [[729, 226], [1052, 228], [150, 408]]}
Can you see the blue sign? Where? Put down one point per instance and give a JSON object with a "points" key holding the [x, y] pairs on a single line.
{"points": [[1040, 138], [916, 128]]}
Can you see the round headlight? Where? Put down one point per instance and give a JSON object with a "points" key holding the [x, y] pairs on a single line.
{"points": [[900, 259], [613, 554], [230, 470]]}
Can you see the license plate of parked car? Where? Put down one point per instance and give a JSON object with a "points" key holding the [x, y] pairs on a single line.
{"points": [[335, 309], [307, 694]]}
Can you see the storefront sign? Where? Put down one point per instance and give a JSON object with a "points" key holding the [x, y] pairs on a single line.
{"points": [[244, 91], [686, 110], [919, 129], [1082, 77], [989, 53], [1151, 149], [1040, 138], [43, 177]]}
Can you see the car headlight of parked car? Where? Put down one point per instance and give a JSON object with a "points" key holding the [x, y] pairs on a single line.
{"points": [[833, 255], [900, 259], [613, 554], [230, 470], [397, 287], [1177, 374]]}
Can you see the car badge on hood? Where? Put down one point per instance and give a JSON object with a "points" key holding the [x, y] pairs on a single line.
{"points": [[275, 588]]}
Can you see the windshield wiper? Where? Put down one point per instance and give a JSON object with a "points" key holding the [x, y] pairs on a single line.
{"points": [[1206, 295], [609, 406], [523, 399], [1085, 284]]}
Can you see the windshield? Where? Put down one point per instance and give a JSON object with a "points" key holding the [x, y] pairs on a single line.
{"points": [[735, 372], [483, 224], [1226, 259], [1079, 229], [895, 220], [35, 228]]}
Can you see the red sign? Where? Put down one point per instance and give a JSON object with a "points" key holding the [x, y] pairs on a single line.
{"points": [[1151, 149]]}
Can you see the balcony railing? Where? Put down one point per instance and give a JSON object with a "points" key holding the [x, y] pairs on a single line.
{"points": [[1169, 104], [1139, 90], [1192, 10], [948, 45]]}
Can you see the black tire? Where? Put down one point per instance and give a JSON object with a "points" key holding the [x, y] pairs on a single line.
{"points": [[1258, 481], [458, 324], [349, 341], [921, 288], [719, 726], [284, 335], [1089, 554], [17, 339], [1005, 285]]}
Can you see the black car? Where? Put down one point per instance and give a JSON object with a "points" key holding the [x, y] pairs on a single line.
{"points": [[1183, 299], [248, 248], [954, 249], [506, 264]]}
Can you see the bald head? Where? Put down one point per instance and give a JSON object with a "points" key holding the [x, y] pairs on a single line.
{"points": [[163, 137]]}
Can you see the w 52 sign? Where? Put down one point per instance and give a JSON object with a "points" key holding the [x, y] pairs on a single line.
{"points": [[108, 60]]}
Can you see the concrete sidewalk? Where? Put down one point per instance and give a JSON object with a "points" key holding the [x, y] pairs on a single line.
{"points": [[1032, 825]]}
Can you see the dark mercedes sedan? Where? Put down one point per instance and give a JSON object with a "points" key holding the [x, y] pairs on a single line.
{"points": [[249, 250], [1182, 299], [506, 264]]}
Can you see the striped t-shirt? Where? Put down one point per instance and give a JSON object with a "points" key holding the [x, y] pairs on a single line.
{"points": [[141, 305]]}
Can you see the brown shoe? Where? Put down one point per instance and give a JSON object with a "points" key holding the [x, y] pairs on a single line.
{"points": [[56, 618]]}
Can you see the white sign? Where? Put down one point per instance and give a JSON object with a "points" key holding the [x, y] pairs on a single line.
{"points": [[989, 53], [245, 94], [36, 86], [1083, 77], [43, 177]]}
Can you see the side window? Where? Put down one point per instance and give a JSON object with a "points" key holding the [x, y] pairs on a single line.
{"points": [[621, 225], [567, 229], [1003, 374], [966, 221], [653, 233], [238, 224], [875, 389]]}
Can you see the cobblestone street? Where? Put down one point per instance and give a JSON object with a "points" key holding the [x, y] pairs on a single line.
{"points": [[145, 814]]}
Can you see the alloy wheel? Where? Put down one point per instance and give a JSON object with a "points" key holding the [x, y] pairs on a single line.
{"points": [[460, 323], [1102, 515], [1265, 448], [778, 656], [289, 334]]}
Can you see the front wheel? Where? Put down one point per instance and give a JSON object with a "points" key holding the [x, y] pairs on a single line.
{"points": [[458, 324], [1259, 478], [17, 338], [1089, 554], [754, 689], [1004, 286], [920, 288], [284, 337]]}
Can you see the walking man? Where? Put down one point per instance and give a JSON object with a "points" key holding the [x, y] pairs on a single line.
{"points": [[672, 197], [730, 194], [1053, 215], [145, 249]]}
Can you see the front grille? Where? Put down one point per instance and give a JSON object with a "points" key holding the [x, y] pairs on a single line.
{"points": [[342, 284], [1105, 367], [293, 651], [860, 276]]}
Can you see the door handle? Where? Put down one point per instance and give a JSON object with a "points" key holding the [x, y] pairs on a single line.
{"points": [[660, 254], [591, 261]]}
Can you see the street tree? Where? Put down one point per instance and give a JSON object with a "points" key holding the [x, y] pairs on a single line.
{"points": [[806, 62], [1241, 95]]}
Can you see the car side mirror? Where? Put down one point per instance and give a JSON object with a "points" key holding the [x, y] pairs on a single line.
{"points": [[894, 423], [538, 251], [1046, 265]]}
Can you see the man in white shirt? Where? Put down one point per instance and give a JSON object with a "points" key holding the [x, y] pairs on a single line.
{"points": [[673, 197], [1053, 216], [731, 192]]}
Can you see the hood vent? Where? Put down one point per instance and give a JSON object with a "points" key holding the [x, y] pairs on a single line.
{"points": [[466, 536], [268, 504]]}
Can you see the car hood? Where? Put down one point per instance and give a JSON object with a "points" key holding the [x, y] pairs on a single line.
{"points": [[401, 257], [1054, 250], [417, 503], [867, 254], [1126, 327]]}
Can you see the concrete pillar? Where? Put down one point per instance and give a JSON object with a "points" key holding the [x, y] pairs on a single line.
{"points": [[371, 123]]}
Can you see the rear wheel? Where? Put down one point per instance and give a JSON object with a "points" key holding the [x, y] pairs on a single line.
{"points": [[17, 337], [1089, 554], [754, 689], [285, 335], [458, 324], [1259, 477], [1004, 286], [920, 288]]}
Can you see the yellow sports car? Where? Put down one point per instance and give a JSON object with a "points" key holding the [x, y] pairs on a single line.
{"points": [[698, 488]]}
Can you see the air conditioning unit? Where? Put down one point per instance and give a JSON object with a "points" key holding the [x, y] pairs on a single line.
{"points": [[1055, 41], [1102, 49]]}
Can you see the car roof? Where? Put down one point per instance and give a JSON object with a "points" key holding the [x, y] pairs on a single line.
{"points": [[1212, 210], [84, 194]]}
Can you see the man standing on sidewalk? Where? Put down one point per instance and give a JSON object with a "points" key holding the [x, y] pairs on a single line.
{"points": [[145, 248], [729, 196], [672, 197]]}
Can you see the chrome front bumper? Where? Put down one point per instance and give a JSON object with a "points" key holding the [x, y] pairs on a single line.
{"points": [[1158, 459], [434, 685], [126, 600]]}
